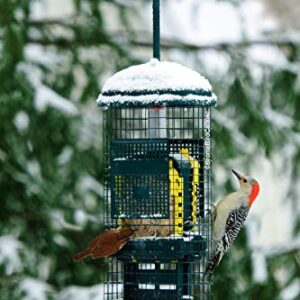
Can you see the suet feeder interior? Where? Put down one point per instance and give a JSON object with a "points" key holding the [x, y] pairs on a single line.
{"points": [[157, 119]]}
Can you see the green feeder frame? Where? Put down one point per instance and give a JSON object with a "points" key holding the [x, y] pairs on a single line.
{"points": [[157, 124]]}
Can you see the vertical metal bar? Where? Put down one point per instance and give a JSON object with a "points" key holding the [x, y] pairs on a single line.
{"points": [[156, 29], [157, 122], [210, 196]]}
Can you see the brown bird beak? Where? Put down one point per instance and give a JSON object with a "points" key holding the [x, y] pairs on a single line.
{"points": [[239, 176]]}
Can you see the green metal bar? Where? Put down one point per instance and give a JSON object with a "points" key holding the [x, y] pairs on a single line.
{"points": [[156, 30]]}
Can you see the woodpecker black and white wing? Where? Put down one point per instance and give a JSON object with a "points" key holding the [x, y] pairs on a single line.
{"points": [[234, 223]]}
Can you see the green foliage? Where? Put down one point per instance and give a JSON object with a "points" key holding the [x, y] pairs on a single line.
{"points": [[277, 93], [51, 158]]}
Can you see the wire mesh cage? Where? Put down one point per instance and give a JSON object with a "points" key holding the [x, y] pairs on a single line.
{"points": [[158, 181]]}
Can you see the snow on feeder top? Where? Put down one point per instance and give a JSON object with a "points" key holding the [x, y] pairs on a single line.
{"points": [[156, 84]]}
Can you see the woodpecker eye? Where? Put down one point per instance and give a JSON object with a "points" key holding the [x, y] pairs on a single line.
{"points": [[244, 180]]}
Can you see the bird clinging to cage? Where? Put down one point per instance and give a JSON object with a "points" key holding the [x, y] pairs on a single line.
{"points": [[106, 244], [229, 216]]}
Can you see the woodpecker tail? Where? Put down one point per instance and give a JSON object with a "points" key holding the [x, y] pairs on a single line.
{"points": [[213, 263], [81, 255]]}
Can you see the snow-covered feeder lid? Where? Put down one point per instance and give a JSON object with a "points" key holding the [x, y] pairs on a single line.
{"points": [[156, 84]]}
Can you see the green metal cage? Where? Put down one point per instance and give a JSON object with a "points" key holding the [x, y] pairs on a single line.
{"points": [[158, 180]]}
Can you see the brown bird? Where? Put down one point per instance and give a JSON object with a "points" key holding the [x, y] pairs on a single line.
{"points": [[106, 244]]}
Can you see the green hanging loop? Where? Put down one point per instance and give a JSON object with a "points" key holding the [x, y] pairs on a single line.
{"points": [[156, 29]]}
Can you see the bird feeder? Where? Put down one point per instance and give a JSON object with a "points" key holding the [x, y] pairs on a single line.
{"points": [[157, 119]]}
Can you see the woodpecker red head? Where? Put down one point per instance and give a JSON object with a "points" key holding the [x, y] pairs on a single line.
{"points": [[249, 185]]}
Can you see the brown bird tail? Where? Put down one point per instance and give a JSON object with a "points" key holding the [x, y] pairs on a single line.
{"points": [[81, 255]]}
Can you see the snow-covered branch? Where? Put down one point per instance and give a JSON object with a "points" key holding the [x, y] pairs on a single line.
{"points": [[144, 39], [168, 44]]}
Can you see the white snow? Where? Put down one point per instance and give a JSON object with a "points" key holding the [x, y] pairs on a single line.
{"points": [[272, 207], [46, 97], [81, 217], [54, 9], [292, 291], [213, 21], [221, 19], [216, 63], [44, 267], [120, 159], [35, 289], [279, 249], [239, 138], [153, 99], [95, 292], [155, 77], [34, 169], [38, 54], [151, 216], [60, 240], [267, 55], [21, 121], [259, 264], [10, 254], [59, 222], [65, 156], [90, 128], [278, 119], [175, 236], [201, 22], [255, 21], [89, 183]]}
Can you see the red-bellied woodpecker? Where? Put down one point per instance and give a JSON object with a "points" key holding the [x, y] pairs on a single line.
{"points": [[229, 215]]}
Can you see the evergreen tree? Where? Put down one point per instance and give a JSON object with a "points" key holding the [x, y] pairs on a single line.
{"points": [[51, 144], [51, 151]]}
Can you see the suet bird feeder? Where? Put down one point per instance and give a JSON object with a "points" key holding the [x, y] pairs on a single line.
{"points": [[157, 119]]}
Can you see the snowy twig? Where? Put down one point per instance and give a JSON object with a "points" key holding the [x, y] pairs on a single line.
{"points": [[169, 44], [292, 248], [144, 39]]}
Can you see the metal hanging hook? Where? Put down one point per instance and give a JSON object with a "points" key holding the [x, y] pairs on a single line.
{"points": [[156, 29]]}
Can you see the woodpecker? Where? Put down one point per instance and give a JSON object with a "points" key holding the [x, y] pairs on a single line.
{"points": [[229, 215], [106, 244]]}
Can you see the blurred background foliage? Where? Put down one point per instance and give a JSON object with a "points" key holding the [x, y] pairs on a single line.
{"points": [[51, 166]]}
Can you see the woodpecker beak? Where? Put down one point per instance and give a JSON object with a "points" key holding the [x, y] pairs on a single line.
{"points": [[237, 175]]}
